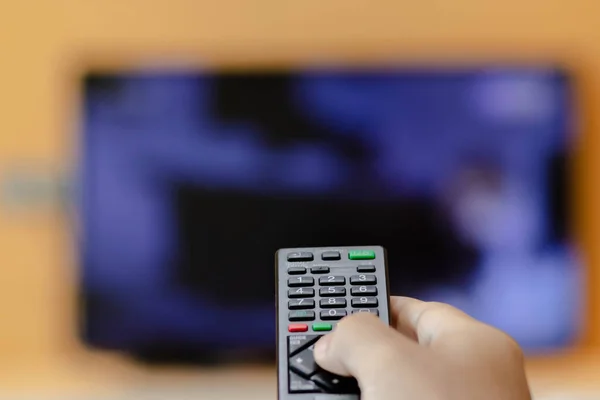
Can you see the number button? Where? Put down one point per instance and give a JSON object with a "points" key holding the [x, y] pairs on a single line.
{"points": [[301, 315], [364, 291], [301, 281], [332, 280], [301, 293], [333, 302], [363, 279], [364, 302], [332, 291], [301, 304], [333, 314]]}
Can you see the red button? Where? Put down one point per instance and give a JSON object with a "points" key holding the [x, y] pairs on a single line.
{"points": [[298, 328]]}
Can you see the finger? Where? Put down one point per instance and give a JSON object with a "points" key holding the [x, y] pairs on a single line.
{"points": [[362, 346], [425, 321]]}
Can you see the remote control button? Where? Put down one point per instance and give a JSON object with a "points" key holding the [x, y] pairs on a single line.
{"points": [[303, 363], [320, 270], [300, 342], [364, 302], [301, 385], [297, 270], [333, 314], [333, 302], [301, 293], [302, 315], [364, 291], [301, 281], [331, 280], [366, 310], [363, 279], [297, 328], [319, 327], [301, 304], [361, 254], [332, 291], [365, 268], [334, 383], [300, 256], [330, 255]]}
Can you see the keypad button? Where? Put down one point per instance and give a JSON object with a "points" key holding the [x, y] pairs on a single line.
{"points": [[303, 315], [366, 310], [363, 279], [297, 328], [364, 302], [361, 254], [332, 291], [365, 268], [300, 342], [301, 304], [301, 281], [364, 291], [303, 363], [320, 270], [299, 384], [330, 255], [320, 327], [332, 280], [300, 256], [333, 314], [296, 270], [333, 302], [334, 383], [301, 293]]}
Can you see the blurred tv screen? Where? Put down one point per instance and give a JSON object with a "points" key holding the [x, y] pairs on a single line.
{"points": [[192, 180]]}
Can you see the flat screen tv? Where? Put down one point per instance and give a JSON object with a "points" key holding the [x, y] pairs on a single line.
{"points": [[192, 180]]}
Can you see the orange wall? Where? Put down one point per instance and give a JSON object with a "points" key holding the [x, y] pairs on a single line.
{"points": [[45, 43]]}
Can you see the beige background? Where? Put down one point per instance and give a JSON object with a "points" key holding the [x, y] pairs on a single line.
{"points": [[46, 44]]}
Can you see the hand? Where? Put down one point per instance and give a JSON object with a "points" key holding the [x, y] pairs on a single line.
{"points": [[431, 351]]}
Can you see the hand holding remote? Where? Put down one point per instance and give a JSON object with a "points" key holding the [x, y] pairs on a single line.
{"points": [[431, 351]]}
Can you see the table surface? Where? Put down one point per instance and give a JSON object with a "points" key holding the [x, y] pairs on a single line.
{"points": [[101, 376]]}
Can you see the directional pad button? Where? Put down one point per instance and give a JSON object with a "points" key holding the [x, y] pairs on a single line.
{"points": [[303, 363], [335, 384]]}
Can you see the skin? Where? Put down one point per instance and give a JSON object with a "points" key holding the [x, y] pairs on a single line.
{"points": [[431, 351]]}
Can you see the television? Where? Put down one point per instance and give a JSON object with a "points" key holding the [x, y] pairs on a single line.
{"points": [[191, 180]]}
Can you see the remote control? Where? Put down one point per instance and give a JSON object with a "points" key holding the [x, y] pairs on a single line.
{"points": [[316, 287]]}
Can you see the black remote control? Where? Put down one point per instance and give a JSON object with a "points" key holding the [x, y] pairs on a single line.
{"points": [[316, 287]]}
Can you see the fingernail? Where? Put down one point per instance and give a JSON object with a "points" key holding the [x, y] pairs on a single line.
{"points": [[321, 346]]}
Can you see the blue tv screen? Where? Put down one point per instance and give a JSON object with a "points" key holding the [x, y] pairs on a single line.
{"points": [[192, 180]]}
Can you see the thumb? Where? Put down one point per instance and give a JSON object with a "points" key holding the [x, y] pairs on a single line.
{"points": [[363, 346]]}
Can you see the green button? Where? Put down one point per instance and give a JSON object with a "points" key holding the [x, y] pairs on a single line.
{"points": [[361, 254], [322, 327]]}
